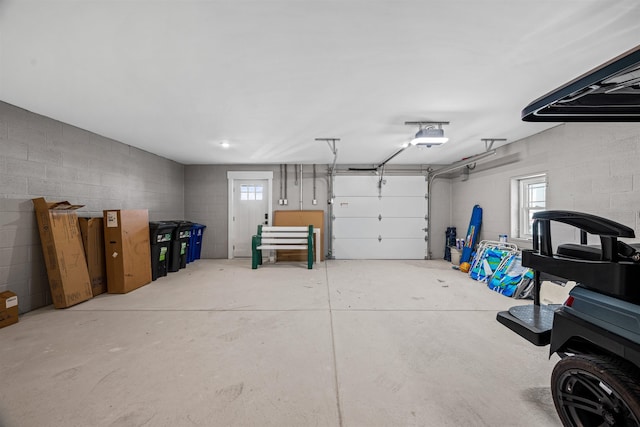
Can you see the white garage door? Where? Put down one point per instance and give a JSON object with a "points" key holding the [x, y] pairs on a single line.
{"points": [[385, 224]]}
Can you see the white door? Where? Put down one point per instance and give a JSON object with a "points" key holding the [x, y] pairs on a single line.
{"points": [[250, 208], [380, 223]]}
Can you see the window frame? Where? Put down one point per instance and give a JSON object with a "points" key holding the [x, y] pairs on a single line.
{"points": [[251, 192], [521, 205]]}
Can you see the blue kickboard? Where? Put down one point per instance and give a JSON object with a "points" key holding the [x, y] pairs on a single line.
{"points": [[472, 234]]}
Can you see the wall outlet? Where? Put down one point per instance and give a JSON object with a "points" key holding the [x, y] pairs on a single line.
{"points": [[285, 202], [314, 202], [280, 201]]}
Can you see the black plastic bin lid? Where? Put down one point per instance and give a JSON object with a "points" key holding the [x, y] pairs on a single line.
{"points": [[158, 231], [161, 225], [156, 224], [180, 226]]}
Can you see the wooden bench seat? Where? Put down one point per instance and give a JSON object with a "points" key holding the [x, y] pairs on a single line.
{"points": [[281, 237]]}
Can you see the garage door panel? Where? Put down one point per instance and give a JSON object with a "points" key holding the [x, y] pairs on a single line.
{"points": [[354, 248], [387, 228], [404, 186], [349, 207], [368, 186], [346, 228], [409, 228], [374, 249], [356, 186], [403, 207]]}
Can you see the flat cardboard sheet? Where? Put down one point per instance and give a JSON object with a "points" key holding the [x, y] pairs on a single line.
{"points": [[63, 252]]}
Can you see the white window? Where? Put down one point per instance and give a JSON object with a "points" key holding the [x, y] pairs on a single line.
{"points": [[528, 196], [250, 192]]}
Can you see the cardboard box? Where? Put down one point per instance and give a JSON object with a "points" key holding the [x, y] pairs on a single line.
{"points": [[127, 250], [8, 308], [63, 252], [300, 218], [93, 242]]}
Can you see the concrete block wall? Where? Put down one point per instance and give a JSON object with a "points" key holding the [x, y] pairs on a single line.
{"points": [[42, 157], [206, 200], [591, 167]]}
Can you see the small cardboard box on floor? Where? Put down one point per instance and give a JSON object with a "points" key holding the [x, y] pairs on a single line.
{"points": [[63, 252], [127, 250], [8, 308], [93, 241]]}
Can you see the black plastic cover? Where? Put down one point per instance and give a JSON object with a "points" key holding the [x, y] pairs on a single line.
{"points": [[569, 331], [592, 224], [618, 279], [608, 93]]}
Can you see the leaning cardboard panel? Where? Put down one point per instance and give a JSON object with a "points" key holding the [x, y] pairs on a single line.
{"points": [[8, 308], [127, 250], [63, 252], [93, 241], [300, 218]]}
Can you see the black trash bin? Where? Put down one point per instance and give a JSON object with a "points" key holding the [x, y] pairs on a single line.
{"points": [[160, 236], [450, 242], [179, 245]]}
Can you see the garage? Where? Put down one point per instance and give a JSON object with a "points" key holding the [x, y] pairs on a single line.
{"points": [[382, 124]]}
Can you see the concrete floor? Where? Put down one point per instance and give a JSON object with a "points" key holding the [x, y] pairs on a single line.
{"points": [[349, 343]]}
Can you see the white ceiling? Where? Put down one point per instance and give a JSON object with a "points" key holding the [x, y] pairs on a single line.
{"points": [[178, 77]]}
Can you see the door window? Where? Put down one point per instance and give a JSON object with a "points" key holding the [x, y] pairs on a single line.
{"points": [[251, 192]]}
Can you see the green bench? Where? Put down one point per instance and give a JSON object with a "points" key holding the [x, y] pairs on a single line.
{"points": [[281, 238]]}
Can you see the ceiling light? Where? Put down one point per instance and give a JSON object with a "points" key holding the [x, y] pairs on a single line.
{"points": [[429, 133], [429, 137], [225, 144]]}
